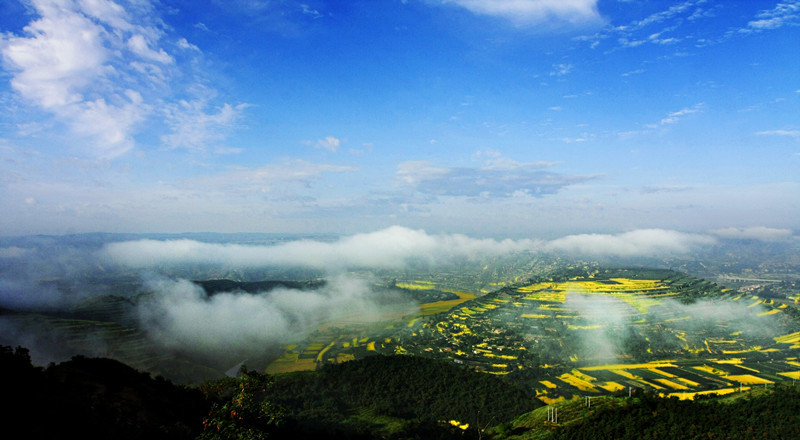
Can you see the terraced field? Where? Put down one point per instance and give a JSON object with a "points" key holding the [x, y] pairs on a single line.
{"points": [[591, 335], [599, 335]]}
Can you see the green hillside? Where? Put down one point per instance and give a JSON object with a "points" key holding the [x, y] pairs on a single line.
{"points": [[761, 413]]}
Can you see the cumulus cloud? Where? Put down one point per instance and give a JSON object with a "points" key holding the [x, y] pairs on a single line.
{"points": [[761, 233], [499, 177], [525, 12], [393, 247], [638, 243], [66, 58], [101, 67]]}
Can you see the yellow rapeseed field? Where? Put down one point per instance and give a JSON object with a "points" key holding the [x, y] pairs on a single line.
{"points": [[712, 370], [417, 285], [577, 382], [443, 306], [548, 384], [748, 379], [719, 392], [644, 366], [611, 386], [673, 385]]}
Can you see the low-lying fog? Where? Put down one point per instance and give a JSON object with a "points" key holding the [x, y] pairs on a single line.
{"points": [[57, 274]]}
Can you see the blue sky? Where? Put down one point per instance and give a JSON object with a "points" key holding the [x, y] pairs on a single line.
{"points": [[491, 118]]}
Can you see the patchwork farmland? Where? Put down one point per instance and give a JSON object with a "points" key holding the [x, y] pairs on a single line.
{"points": [[597, 333]]}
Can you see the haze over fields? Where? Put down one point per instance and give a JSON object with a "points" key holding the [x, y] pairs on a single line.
{"points": [[530, 120]]}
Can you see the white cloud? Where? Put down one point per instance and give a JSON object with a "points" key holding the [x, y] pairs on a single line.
{"points": [[140, 46], [388, 248], [183, 43], [393, 247], [761, 233], [265, 178], [642, 242], [561, 69], [195, 127], [783, 14], [534, 11], [67, 56], [676, 116], [182, 316], [313, 13], [330, 143], [634, 72], [99, 67], [416, 171], [499, 177], [658, 17], [791, 133], [654, 28]]}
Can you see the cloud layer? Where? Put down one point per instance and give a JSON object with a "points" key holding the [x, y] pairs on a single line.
{"points": [[393, 247], [643, 242]]}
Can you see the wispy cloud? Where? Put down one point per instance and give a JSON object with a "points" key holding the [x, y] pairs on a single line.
{"points": [[783, 14], [790, 133], [761, 233], [196, 127], [652, 29], [308, 10], [655, 189], [668, 120], [561, 69], [678, 115], [499, 177], [267, 177], [680, 23], [329, 143], [634, 72], [528, 12]]}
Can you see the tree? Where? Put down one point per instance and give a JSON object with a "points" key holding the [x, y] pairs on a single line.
{"points": [[245, 415]]}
